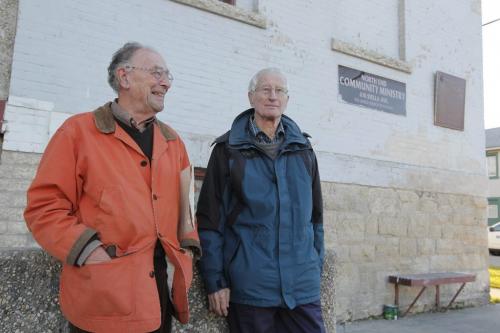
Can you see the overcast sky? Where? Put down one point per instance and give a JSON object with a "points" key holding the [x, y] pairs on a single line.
{"points": [[491, 63]]}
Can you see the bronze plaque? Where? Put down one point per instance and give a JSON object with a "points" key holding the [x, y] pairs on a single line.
{"points": [[449, 101]]}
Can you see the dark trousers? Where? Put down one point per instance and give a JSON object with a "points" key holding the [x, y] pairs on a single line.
{"points": [[167, 309], [304, 318]]}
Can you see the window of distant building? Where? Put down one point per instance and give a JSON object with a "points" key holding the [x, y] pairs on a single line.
{"points": [[492, 158], [493, 210]]}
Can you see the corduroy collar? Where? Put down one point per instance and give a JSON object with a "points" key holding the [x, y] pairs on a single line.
{"points": [[105, 123]]}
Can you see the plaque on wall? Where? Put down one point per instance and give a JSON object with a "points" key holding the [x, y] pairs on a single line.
{"points": [[449, 101], [371, 91]]}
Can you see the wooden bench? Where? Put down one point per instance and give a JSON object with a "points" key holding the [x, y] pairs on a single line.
{"points": [[429, 279]]}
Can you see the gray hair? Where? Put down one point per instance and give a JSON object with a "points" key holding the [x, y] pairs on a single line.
{"points": [[271, 70], [121, 57]]}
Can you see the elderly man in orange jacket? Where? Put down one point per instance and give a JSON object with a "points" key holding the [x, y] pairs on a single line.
{"points": [[111, 201]]}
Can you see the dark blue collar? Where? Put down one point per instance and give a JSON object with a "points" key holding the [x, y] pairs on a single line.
{"points": [[240, 136]]}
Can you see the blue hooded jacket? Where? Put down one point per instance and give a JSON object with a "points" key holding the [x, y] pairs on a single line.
{"points": [[260, 220]]}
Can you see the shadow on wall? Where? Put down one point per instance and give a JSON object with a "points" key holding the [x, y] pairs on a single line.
{"points": [[29, 288]]}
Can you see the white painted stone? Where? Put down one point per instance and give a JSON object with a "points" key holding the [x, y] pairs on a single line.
{"points": [[56, 120]]}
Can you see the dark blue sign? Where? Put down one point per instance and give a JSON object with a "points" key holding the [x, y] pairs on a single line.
{"points": [[372, 91]]}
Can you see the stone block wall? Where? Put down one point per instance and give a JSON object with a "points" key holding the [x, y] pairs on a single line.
{"points": [[381, 231], [16, 172], [28, 296]]}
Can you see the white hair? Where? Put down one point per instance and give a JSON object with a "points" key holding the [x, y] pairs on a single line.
{"points": [[271, 70]]}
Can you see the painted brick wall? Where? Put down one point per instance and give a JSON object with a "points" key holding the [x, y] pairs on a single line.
{"points": [[62, 50], [373, 27]]}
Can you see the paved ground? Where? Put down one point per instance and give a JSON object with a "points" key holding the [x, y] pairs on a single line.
{"points": [[484, 319], [494, 260]]}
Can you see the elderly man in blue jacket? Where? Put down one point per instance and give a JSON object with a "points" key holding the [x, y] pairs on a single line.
{"points": [[260, 219]]}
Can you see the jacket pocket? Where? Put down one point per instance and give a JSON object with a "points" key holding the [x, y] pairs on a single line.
{"points": [[114, 220], [111, 200], [99, 290]]}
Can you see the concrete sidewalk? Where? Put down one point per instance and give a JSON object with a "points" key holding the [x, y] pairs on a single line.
{"points": [[485, 319]]}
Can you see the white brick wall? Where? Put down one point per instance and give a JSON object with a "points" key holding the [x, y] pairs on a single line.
{"points": [[374, 27], [63, 48]]}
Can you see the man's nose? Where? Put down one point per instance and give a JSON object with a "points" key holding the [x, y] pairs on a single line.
{"points": [[165, 82]]}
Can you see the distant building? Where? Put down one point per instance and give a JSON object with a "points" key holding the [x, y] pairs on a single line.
{"points": [[492, 150]]}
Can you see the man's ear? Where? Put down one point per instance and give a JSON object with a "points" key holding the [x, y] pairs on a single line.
{"points": [[250, 94], [121, 74]]}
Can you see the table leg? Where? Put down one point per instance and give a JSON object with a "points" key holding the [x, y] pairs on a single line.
{"points": [[414, 301], [454, 297], [396, 294], [437, 297]]}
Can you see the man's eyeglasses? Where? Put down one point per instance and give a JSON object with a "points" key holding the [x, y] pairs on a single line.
{"points": [[158, 73], [268, 91]]}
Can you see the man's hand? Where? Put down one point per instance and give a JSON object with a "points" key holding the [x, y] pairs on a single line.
{"points": [[97, 256], [189, 252], [218, 302]]}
